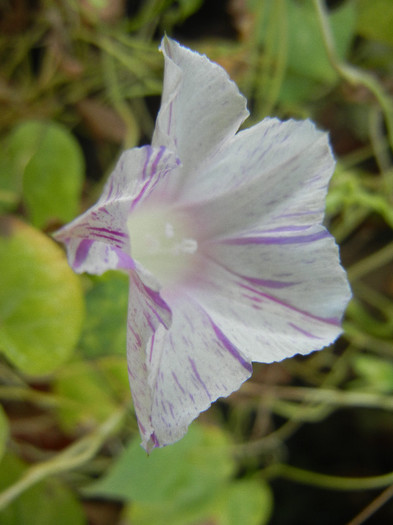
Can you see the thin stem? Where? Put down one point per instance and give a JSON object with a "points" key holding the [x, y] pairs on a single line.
{"points": [[329, 396], [363, 340], [350, 73], [75, 455], [372, 507], [268, 442], [118, 101], [16, 393], [378, 141], [325, 481]]}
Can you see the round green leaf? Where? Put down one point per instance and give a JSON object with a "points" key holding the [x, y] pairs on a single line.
{"points": [[188, 472], [248, 502], [41, 302], [50, 162]]}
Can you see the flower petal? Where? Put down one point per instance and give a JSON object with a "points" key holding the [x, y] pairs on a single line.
{"points": [[147, 312], [273, 175], [201, 107], [275, 296], [190, 367], [98, 240]]}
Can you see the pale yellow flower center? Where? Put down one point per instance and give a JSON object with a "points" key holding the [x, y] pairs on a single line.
{"points": [[162, 243]]}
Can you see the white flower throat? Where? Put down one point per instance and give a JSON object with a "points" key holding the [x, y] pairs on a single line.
{"points": [[161, 242]]}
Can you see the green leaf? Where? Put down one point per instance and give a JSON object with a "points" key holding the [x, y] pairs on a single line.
{"points": [[41, 302], [375, 20], [50, 162], [105, 328], [94, 389], [248, 502], [180, 477], [289, 34], [188, 482], [43, 504], [306, 51], [4, 431], [298, 88]]}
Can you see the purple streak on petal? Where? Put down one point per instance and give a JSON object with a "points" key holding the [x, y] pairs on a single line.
{"points": [[257, 301], [160, 319], [130, 373], [138, 198], [156, 297], [231, 348], [149, 176], [254, 299], [151, 347], [304, 332], [109, 238], [333, 321], [177, 382], [125, 262], [198, 377], [241, 241], [149, 150], [284, 229], [82, 252], [268, 283], [300, 214], [107, 198], [154, 439], [255, 280], [136, 335], [157, 159], [109, 232], [150, 322]]}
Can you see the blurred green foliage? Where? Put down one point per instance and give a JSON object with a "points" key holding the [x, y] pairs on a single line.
{"points": [[46, 162], [303, 57], [105, 327], [189, 482], [79, 82], [4, 432], [40, 504], [375, 20], [41, 302]]}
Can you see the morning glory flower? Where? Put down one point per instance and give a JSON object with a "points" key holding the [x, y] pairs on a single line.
{"points": [[221, 234]]}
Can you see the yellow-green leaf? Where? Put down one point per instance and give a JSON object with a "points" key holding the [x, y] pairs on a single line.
{"points": [[41, 302]]}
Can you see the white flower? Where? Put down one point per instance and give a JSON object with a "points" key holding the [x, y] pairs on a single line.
{"points": [[221, 235]]}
